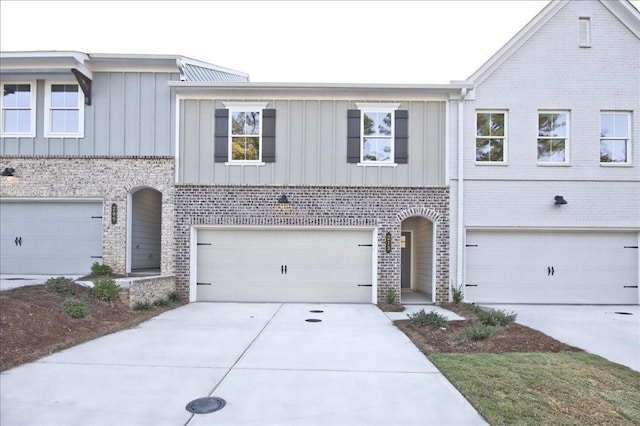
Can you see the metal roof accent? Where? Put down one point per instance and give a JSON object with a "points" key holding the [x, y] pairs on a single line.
{"points": [[192, 72]]}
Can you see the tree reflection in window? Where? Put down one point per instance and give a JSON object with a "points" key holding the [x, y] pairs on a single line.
{"points": [[552, 137]]}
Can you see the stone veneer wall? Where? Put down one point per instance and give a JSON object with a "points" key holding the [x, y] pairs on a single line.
{"points": [[316, 206], [106, 178], [148, 289]]}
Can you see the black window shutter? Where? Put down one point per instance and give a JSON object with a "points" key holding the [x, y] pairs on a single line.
{"points": [[401, 136], [269, 135], [353, 136], [221, 136]]}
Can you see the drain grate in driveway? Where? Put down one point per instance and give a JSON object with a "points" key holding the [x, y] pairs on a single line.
{"points": [[206, 405]]}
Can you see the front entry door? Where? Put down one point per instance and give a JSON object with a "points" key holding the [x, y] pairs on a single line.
{"points": [[405, 255]]}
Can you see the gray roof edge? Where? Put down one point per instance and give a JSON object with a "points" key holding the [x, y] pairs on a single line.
{"points": [[454, 85]]}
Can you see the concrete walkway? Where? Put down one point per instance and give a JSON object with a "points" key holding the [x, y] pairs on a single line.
{"points": [[613, 332], [270, 365]]}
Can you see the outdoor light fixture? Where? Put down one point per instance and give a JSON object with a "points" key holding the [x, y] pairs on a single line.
{"points": [[560, 200], [283, 200], [8, 171]]}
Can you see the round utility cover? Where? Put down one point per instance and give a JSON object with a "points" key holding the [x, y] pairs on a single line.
{"points": [[313, 320], [206, 405]]}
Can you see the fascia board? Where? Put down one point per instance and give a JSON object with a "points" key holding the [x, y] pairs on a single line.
{"points": [[626, 13]]}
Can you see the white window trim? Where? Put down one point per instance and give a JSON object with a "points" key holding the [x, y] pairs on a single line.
{"points": [[378, 107], [567, 144], [244, 106], [584, 23], [505, 138], [629, 161], [47, 111], [33, 100]]}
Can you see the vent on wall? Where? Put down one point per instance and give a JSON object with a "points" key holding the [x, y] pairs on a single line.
{"points": [[584, 26]]}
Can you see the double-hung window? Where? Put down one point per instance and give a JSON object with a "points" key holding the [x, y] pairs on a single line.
{"points": [[18, 109], [64, 110], [614, 137], [490, 137], [245, 133], [377, 134], [553, 137]]}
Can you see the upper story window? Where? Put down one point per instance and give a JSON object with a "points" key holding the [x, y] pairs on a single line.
{"points": [[553, 137], [245, 133], [614, 137], [18, 109], [377, 134], [490, 137], [64, 110], [584, 31]]}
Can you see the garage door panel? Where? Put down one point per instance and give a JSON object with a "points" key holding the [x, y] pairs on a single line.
{"points": [[551, 267], [249, 265]]}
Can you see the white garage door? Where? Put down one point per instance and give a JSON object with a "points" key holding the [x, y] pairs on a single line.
{"points": [[552, 267], [284, 266], [50, 237]]}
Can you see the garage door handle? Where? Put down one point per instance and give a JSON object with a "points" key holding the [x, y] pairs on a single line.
{"points": [[18, 241], [283, 269], [550, 270]]}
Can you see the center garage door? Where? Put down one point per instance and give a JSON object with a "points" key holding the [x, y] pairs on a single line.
{"points": [[552, 267], [50, 237], [284, 265]]}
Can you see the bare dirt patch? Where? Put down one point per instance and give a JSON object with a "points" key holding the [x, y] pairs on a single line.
{"points": [[511, 338], [33, 322]]}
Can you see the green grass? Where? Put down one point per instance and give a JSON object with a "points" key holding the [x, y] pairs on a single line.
{"points": [[545, 388]]}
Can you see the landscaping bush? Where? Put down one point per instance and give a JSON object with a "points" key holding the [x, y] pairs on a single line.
{"points": [[390, 296], [479, 331], [61, 285], [142, 306], [457, 294], [422, 319], [161, 302], [101, 269], [74, 308], [175, 297], [495, 317], [105, 289]]}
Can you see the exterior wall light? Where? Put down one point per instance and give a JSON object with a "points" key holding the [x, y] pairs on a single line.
{"points": [[560, 200], [283, 200], [8, 172]]}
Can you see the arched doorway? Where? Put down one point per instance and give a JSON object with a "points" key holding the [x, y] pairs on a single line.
{"points": [[417, 250], [145, 234]]}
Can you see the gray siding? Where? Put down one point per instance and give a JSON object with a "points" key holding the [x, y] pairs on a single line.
{"points": [[146, 229], [132, 114], [311, 146]]}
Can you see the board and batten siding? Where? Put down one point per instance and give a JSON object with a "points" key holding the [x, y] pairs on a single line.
{"points": [[311, 146], [146, 229], [131, 114]]}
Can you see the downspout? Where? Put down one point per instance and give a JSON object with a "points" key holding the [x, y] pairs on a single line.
{"points": [[460, 215]]}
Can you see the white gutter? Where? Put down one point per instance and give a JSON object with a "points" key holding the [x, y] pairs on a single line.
{"points": [[460, 218]]}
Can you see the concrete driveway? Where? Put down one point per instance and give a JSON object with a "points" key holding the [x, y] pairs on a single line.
{"points": [[270, 365], [613, 332]]}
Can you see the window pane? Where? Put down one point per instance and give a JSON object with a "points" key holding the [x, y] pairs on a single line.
{"points": [[16, 96], [72, 121], [552, 124], [245, 148], [376, 149], [377, 123], [237, 123], [384, 149], [551, 150], [10, 121], [24, 121], [621, 126], [497, 124], [384, 124], [71, 99], [57, 97], [482, 124], [252, 124], [489, 149], [606, 125], [369, 149], [369, 124], [613, 151], [57, 121]]}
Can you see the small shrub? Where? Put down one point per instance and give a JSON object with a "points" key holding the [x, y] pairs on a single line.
{"points": [[457, 294], [61, 285], [422, 319], [105, 289], [175, 297], [101, 269], [161, 302], [495, 317], [142, 306], [479, 331], [390, 296], [74, 308]]}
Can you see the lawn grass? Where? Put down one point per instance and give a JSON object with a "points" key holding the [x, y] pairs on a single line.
{"points": [[564, 388]]}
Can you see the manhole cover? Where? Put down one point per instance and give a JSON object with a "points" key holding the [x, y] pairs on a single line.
{"points": [[206, 405], [316, 311], [623, 313], [313, 320]]}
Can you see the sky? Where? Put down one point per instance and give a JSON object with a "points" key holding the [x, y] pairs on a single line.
{"points": [[387, 42]]}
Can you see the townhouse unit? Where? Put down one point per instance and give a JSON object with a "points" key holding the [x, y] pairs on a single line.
{"points": [[87, 159], [549, 208]]}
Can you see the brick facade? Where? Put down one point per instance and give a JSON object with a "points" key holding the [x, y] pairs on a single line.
{"points": [[382, 208], [107, 179]]}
